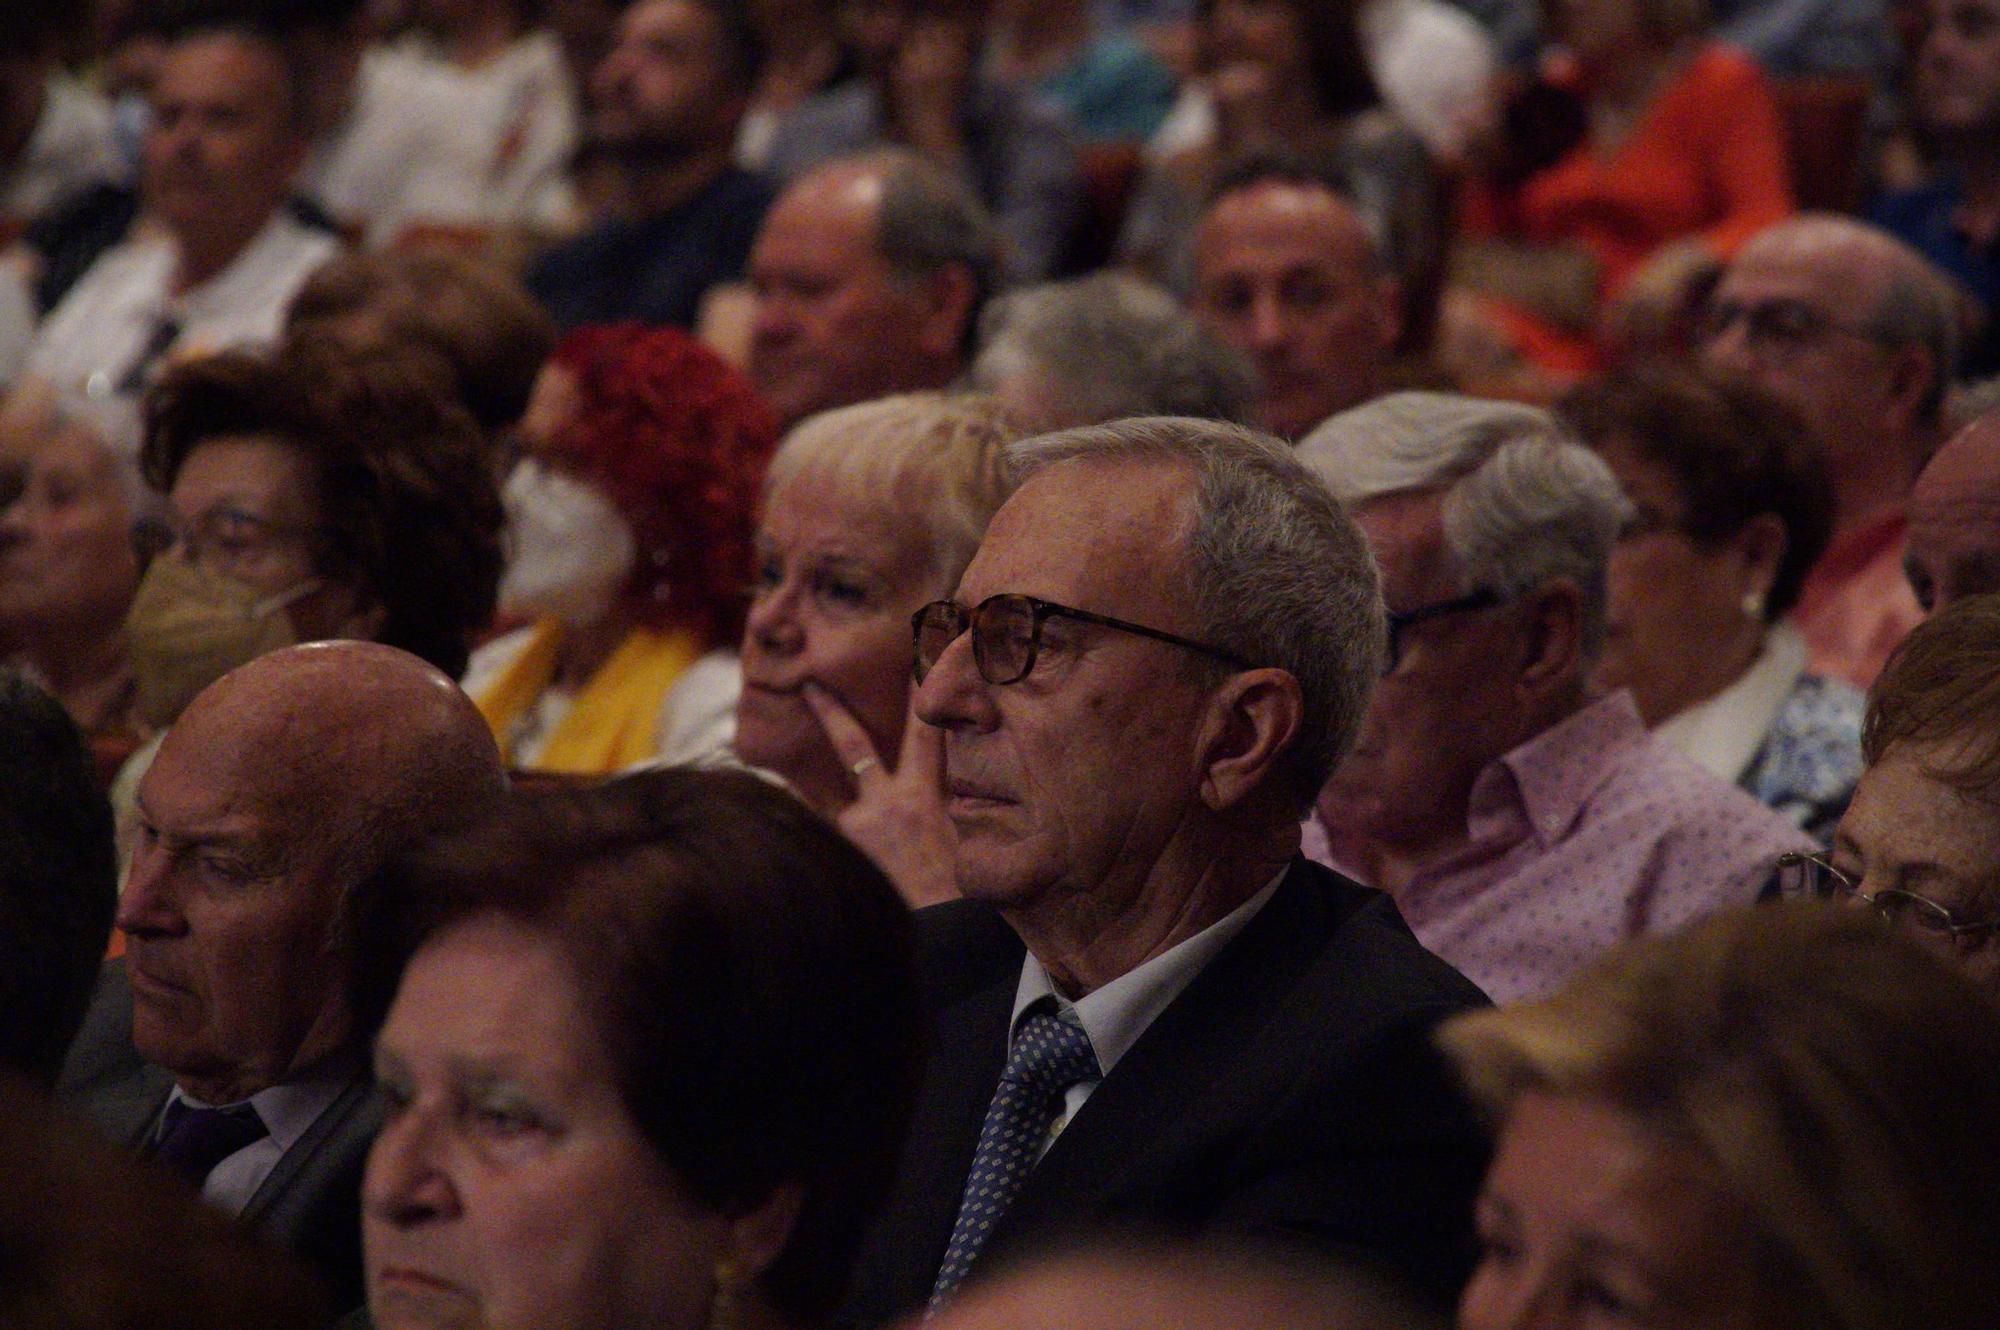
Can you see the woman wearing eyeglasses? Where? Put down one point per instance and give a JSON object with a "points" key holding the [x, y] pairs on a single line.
{"points": [[1731, 508], [870, 512], [1921, 840]]}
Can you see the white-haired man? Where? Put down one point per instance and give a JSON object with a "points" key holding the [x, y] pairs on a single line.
{"points": [[1523, 824]]}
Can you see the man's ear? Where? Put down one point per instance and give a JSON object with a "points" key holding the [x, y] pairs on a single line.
{"points": [[948, 298], [1913, 381], [1253, 719], [1552, 660]]}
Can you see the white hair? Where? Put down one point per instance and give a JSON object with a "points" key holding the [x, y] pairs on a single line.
{"points": [[1113, 346], [1524, 503], [1278, 575]]}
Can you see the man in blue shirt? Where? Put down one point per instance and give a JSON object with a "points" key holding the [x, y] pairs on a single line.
{"points": [[666, 104]]}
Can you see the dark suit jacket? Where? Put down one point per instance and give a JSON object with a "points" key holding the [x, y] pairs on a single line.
{"points": [[311, 1201], [1290, 1089]]}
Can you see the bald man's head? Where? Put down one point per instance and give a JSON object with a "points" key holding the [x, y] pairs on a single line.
{"points": [[1184, 1285], [1954, 543], [282, 786], [1848, 326], [869, 274]]}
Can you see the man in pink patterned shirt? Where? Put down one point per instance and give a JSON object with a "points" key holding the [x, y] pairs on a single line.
{"points": [[1523, 824]]}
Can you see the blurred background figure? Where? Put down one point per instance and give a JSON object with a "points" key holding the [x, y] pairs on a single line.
{"points": [[922, 88], [71, 506], [1290, 75], [633, 515], [693, 1008], [1286, 272], [56, 137], [208, 252], [1110, 84], [1775, 1119], [58, 881], [1922, 835], [805, 53], [1096, 349], [869, 276], [1606, 237], [316, 491], [870, 512], [480, 320], [1217, 1285], [1731, 507], [666, 103], [97, 1242], [1857, 334], [1954, 534]]}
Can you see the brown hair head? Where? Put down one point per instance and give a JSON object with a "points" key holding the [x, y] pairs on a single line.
{"points": [[1842, 1082], [1942, 687], [748, 970], [409, 509]]}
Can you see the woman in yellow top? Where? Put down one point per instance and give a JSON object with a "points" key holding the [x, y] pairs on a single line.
{"points": [[633, 513]]}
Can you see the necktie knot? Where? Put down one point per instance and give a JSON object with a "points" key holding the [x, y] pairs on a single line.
{"points": [[1049, 1054], [194, 1140]]}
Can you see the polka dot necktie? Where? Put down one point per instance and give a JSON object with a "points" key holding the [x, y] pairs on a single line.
{"points": [[1048, 1057]]}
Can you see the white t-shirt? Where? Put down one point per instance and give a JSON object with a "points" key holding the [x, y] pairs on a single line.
{"points": [[91, 341]]}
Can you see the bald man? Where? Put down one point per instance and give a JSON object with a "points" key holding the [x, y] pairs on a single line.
{"points": [[868, 275], [1857, 333], [1954, 548], [1285, 272], [223, 1044], [1186, 1285]]}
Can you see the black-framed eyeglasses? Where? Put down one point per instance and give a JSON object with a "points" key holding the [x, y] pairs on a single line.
{"points": [[1780, 324], [1484, 599], [1007, 634], [1812, 876]]}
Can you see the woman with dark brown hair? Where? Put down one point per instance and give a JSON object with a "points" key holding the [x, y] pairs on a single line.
{"points": [[314, 491], [1731, 507], [650, 1055]]}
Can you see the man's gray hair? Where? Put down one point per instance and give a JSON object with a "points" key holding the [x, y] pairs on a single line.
{"points": [[931, 220], [1277, 573], [1113, 346], [1524, 503]]}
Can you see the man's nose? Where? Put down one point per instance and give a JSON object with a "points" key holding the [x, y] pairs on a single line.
{"points": [[147, 906], [952, 695]]}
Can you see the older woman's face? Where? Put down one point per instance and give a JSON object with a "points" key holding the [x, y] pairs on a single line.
{"points": [[1586, 1222], [66, 555], [1907, 832], [837, 582], [510, 1188], [1673, 603]]}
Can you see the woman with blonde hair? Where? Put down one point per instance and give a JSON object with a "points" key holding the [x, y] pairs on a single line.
{"points": [[1780, 1119], [870, 512]]}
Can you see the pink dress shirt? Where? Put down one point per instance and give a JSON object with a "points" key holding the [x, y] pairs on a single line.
{"points": [[1590, 833]]}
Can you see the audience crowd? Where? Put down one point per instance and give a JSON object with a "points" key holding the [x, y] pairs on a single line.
{"points": [[788, 664]]}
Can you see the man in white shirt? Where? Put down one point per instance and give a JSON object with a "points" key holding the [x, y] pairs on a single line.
{"points": [[223, 1044], [215, 255]]}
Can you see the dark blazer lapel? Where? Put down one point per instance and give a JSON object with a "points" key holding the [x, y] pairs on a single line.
{"points": [[1120, 1141], [973, 965], [104, 1075], [337, 1142]]}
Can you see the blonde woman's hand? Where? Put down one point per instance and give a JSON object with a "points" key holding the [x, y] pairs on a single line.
{"points": [[898, 816]]}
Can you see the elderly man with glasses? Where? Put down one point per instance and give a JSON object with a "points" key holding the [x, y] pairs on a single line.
{"points": [[1524, 825], [1155, 1013], [1920, 841], [1858, 334]]}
